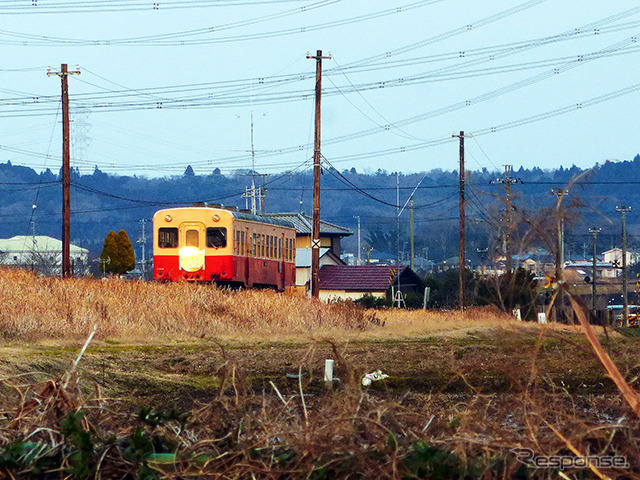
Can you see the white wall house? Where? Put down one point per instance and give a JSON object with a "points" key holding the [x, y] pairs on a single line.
{"points": [[40, 253], [614, 257], [303, 266]]}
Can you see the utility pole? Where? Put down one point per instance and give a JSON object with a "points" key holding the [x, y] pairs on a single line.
{"points": [[315, 237], [625, 313], [359, 248], [253, 169], [462, 261], [507, 180], [560, 193], [66, 169], [142, 241], [398, 211], [411, 230], [595, 232]]}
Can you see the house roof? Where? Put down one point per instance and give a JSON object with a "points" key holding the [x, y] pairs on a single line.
{"points": [[304, 224], [361, 278], [38, 243], [587, 264]]}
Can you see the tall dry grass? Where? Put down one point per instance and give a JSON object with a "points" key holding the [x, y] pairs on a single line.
{"points": [[45, 307], [35, 307]]}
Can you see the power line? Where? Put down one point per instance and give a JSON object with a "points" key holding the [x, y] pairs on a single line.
{"points": [[18, 7], [183, 38]]}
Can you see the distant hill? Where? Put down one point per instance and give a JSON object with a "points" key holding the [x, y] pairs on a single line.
{"points": [[103, 202]]}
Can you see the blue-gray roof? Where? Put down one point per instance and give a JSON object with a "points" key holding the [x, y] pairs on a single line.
{"points": [[303, 224]]}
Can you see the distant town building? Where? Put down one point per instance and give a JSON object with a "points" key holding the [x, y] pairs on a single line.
{"points": [[40, 253], [614, 258]]}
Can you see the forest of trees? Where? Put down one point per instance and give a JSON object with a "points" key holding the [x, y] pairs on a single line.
{"points": [[103, 202]]}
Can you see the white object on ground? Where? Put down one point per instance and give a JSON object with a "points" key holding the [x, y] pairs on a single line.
{"points": [[373, 377]]}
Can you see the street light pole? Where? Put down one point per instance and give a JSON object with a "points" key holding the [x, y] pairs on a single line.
{"points": [[595, 232]]}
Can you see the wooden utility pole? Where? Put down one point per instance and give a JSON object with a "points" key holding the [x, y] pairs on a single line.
{"points": [[315, 236], [625, 313], [66, 170], [595, 232], [461, 256]]}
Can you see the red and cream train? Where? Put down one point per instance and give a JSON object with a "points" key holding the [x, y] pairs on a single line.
{"points": [[223, 246]]}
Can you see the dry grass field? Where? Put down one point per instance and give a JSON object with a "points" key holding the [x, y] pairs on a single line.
{"points": [[188, 381]]}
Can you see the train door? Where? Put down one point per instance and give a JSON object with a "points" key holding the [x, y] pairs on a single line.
{"points": [[191, 247]]}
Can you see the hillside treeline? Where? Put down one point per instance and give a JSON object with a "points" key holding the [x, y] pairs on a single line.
{"points": [[103, 202]]}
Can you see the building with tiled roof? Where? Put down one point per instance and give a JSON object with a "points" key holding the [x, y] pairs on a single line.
{"points": [[354, 281], [330, 234]]}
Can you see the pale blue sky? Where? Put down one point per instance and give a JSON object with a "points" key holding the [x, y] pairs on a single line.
{"points": [[406, 125]]}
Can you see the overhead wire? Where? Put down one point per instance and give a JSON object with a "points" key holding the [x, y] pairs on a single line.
{"points": [[340, 177], [177, 38], [18, 7], [447, 35]]}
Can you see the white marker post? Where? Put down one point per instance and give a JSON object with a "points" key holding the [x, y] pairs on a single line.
{"points": [[328, 373]]}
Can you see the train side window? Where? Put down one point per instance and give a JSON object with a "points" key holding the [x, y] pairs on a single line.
{"points": [[279, 248], [270, 246], [216, 237], [253, 244], [241, 243], [262, 246], [168, 237], [267, 246]]}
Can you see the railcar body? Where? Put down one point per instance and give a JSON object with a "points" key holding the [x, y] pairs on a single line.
{"points": [[223, 246]]}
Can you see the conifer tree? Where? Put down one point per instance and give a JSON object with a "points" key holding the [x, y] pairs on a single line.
{"points": [[126, 255], [109, 254], [117, 253]]}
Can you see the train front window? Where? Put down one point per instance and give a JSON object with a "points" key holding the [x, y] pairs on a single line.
{"points": [[168, 237], [192, 238], [216, 237]]}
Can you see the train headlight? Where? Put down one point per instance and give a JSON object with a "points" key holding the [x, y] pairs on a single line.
{"points": [[216, 218], [168, 218]]}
